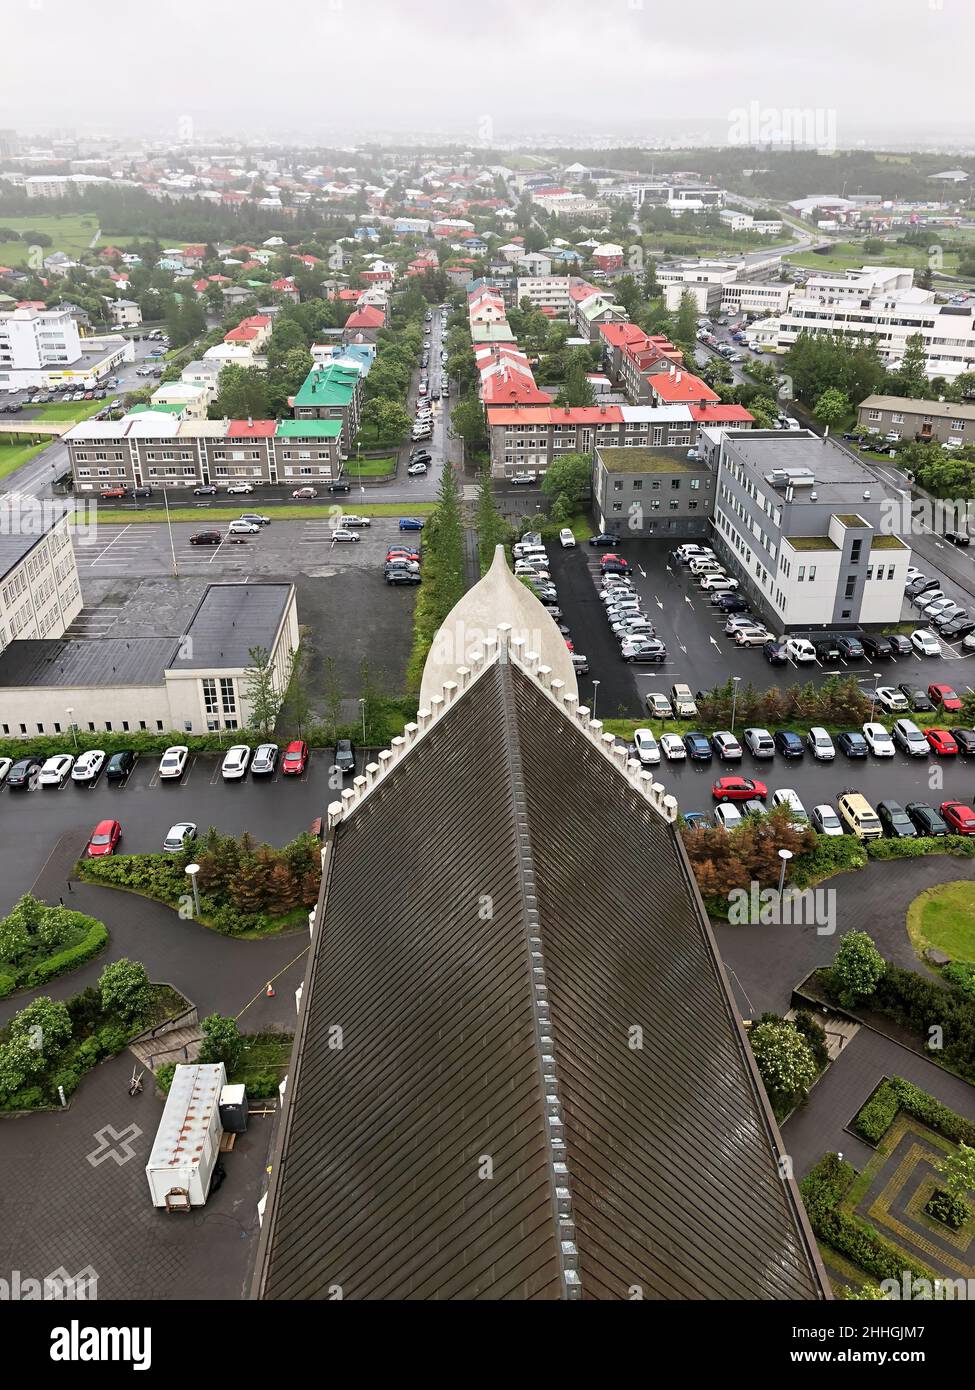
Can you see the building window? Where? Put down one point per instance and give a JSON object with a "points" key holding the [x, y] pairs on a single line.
{"points": [[617, 485], [228, 698], [210, 695], [802, 574], [855, 549], [812, 573], [159, 726], [638, 485], [851, 584]]}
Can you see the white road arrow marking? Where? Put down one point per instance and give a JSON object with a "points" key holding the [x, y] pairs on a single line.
{"points": [[657, 601], [642, 571], [687, 600], [714, 644]]}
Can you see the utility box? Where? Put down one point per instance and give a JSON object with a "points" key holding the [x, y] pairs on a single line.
{"points": [[233, 1109], [187, 1143]]}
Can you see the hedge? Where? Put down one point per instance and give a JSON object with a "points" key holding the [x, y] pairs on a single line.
{"points": [[897, 1094], [94, 941], [8, 984], [960, 845], [823, 1188]]}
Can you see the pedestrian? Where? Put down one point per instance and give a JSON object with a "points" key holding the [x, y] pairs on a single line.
{"points": [[61, 902], [70, 889]]}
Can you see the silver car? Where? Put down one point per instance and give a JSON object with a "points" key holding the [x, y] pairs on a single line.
{"points": [[265, 760], [180, 837]]}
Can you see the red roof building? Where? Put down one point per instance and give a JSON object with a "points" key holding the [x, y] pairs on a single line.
{"points": [[367, 317], [680, 388], [251, 429]]}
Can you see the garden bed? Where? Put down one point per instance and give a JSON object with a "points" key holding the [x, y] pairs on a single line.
{"points": [[38, 943]]}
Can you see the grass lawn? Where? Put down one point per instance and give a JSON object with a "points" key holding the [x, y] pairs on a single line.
{"points": [[68, 410], [850, 255], [14, 456], [369, 468], [944, 917], [69, 232], [287, 512], [261, 1053]]}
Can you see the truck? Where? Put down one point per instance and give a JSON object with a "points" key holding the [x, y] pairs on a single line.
{"points": [[187, 1143]]}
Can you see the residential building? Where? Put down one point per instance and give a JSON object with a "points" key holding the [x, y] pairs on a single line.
{"points": [[125, 313], [40, 595], [193, 401], [205, 374], [544, 292], [809, 532], [43, 347], [332, 392], [192, 682], [608, 257], [527, 439], [646, 491], [587, 316], [937, 422]]}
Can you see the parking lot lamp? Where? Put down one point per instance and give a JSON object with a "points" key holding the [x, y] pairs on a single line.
{"points": [[785, 855], [595, 692], [362, 707], [192, 870], [74, 732], [734, 699], [873, 702], [169, 524]]}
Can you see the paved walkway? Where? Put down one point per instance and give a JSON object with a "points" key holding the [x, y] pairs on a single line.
{"points": [[765, 962]]}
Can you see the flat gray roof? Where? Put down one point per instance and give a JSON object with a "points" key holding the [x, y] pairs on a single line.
{"points": [[230, 620], [832, 466], [80, 662], [16, 545]]}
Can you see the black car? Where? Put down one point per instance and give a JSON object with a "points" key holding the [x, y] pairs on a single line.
{"points": [[927, 821], [424, 456], [851, 743], [774, 652], [206, 538], [850, 648], [787, 743], [876, 646], [616, 567], [344, 756], [604, 538], [921, 585], [958, 537], [900, 644], [141, 492], [205, 490], [731, 603], [917, 698], [957, 628], [965, 738], [827, 649], [120, 765], [340, 487], [895, 820], [400, 574], [698, 748], [22, 772]]}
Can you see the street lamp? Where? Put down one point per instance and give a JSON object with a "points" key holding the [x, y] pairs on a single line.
{"points": [[74, 732], [595, 692], [734, 699], [192, 870], [362, 708], [873, 702], [785, 855], [169, 525]]}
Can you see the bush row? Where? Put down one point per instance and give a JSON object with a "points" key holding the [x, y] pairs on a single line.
{"points": [[911, 849], [94, 941], [895, 1094]]}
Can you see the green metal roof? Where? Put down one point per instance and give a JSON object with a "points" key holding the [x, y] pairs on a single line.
{"points": [[331, 385], [165, 407], [306, 429]]}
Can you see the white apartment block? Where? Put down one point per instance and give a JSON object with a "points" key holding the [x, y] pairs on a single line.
{"points": [[40, 594], [545, 292], [125, 313], [34, 338]]}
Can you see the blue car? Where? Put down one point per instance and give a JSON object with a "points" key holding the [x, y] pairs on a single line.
{"points": [[698, 748], [788, 744], [854, 745], [695, 820], [410, 523]]}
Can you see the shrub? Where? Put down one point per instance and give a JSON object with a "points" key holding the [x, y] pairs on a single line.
{"points": [[7, 984], [879, 1113], [262, 1084], [857, 968], [822, 1189], [912, 849], [815, 1034], [961, 975], [87, 1054], [125, 990], [785, 1062], [164, 1077], [67, 1079], [111, 1039], [952, 1211], [29, 1098], [95, 940], [896, 1093], [221, 1041]]}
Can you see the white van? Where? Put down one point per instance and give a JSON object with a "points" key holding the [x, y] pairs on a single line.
{"points": [[800, 649], [705, 566], [785, 796]]}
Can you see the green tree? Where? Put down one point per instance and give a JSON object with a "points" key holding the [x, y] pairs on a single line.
{"points": [[241, 394], [467, 420], [685, 324], [957, 1170], [857, 968], [261, 694], [297, 702], [831, 407], [785, 1062], [125, 989], [44, 1026], [221, 1041], [387, 420], [492, 529], [566, 483], [912, 373], [577, 388]]}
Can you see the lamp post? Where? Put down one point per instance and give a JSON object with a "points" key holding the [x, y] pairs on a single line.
{"points": [[873, 702], [785, 855], [192, 870], [169, 525], [734, 699], [362, 708], [74, 732], [595, 692]]}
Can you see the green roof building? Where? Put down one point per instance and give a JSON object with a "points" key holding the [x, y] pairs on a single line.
{"points": [[332, 392]]}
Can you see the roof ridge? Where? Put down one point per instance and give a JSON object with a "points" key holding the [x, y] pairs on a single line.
{"points": [[561, 1192]]}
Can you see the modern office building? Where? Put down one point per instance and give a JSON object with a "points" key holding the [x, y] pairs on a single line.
{"points": [[652, 492], [40, 595]]}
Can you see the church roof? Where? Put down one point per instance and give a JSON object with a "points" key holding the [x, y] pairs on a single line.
{"points": [[518, 1072]]}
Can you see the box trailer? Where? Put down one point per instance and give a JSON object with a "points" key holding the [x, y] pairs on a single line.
{"points": [[187, 1143]]}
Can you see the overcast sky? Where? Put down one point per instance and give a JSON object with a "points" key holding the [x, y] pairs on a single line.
{"points": [[308, 67]]}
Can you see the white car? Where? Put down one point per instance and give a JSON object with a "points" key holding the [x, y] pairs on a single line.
{"points": [[353, 520], [718, 584], [659, 706], [672, 747], [566, 539], [912, 573], [344, 535], [180, 836], [633, 627], [927, 597], [416, 470], [760, 743], [645, 746], [726, 746], [55, 770], [5, 765], [925, 643], [88, 766], [891, 699], [173, 762], [727, 816], [879, 740], [786, 796], [800, 649], [265, 760], [751, 636], [825, 820], [243, 528], [820, 745], [240, 487], [236, 762]]}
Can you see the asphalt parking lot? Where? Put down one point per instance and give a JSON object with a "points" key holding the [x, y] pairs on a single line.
{"points": [[698, 650]]}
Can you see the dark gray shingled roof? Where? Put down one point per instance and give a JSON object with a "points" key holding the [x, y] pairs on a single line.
{"points": [[230, 620], [86, 661], [670, 1180]]}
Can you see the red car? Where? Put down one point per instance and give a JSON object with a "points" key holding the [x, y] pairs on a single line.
{"points": [[104, 838], [737, 789], [944, 696], [413, 555], [295, 758], [960, 818], [942, 742], [124, 492]]}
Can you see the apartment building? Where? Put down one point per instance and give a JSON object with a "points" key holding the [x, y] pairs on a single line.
{"points": [[547, 292], [645, 491], [40, 595], [808, 532], [332, 392], [527, 439], [934, 422], [881, 304], [125, 313], [31, 339], [718, 286], [587, 316]]}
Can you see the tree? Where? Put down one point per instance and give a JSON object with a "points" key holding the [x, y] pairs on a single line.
{"points": [[125, 989], [44, 1025], [467, 420], [566, 483], [388, 421], [957, 1170], [332, 711], [241, 394], [261, 694], [577, 388], [297, 701], [765, 412], [492, 529], [912, 373], [785, 1062], [857, 968], [685, 323], [831, 407], [221, 1041]]}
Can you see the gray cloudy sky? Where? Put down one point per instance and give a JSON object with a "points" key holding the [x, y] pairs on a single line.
{"points": [[306, 67]]}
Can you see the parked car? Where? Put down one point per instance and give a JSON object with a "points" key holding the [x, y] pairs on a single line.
{"points": [[23, 772], [339, 487], [727, 816], [295, 758], [925, 643], [243, 528], [851, 649], [343, 534], [119, 765], [760, 743], [944, 697], [726, 746], [566, 539], [738, 789], [878, 740], [774, 652], [305, 493], [827, 650], [959, 816], [751, 636], [410, 523], [853, 744], [900, 644], [265, 760], [926, 819], [799, 649], [646, 747], [909, 738], [825, 820], [173, 762], [916, 697], [697, 747], [235, 763], [644, 651], [730, 603], [344, 756], [239, 488], [206, 538], [54, 771], [820, 745], [417, 470], [672, 747], [103, 839], [205, 490], [788, 743], [941, 742], [659, 706], [897, 824], [786, 796], [965, 738], [88, 765], [108, 493], [180, 837], [876, 647], [891, 699]]}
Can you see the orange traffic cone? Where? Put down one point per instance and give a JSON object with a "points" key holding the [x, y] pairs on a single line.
{"points": [[269, 992]]}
